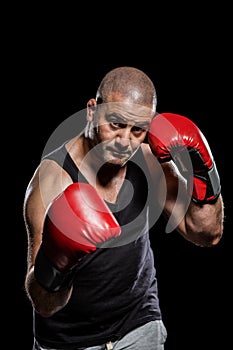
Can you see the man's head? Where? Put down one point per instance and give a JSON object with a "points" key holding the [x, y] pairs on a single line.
{"points": [[130, 84], [120, 115]]}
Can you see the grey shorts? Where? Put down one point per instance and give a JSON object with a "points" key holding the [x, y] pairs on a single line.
{"points": [[150, 336]]}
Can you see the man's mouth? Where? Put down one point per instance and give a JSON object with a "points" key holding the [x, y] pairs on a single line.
{"points": [[120, 154]]}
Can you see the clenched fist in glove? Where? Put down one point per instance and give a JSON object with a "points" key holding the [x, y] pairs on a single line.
{"points": [[172, 136], [76, 223]]}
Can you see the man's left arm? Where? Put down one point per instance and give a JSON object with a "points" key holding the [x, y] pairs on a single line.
{"points": [[194, 204]]}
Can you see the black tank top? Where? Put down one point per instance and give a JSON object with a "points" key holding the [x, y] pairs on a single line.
{"points": [[115, 288]]}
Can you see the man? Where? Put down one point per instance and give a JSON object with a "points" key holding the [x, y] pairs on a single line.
{"points": [[88, 209]]}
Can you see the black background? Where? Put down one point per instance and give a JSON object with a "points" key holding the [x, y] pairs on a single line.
{"points": [[53, 66]]}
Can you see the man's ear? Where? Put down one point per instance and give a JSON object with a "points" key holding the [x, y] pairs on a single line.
{"points": [[91, 107]]}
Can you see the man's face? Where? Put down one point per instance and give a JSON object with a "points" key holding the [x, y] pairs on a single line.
{"points": [[119, 129]]}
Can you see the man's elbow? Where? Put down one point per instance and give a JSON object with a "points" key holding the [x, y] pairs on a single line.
{"points": [[209, 237]]}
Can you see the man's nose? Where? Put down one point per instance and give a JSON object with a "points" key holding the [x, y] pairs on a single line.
{"points": [[123, 138]]}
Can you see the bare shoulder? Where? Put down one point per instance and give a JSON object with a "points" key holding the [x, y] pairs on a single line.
{"points": [[147, 152], [152, 163], [48, 180]]}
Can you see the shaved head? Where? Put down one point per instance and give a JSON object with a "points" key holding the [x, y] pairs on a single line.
{"points": [[130, 83]]}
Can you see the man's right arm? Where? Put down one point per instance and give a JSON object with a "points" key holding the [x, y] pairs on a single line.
{"points": [[45, 184], [75, 222]]}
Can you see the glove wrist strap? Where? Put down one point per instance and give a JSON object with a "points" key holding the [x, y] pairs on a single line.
{"points": [[48, 276], [206, 186]]}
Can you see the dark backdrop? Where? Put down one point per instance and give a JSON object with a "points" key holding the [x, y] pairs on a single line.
{"points": [[53, 76]]}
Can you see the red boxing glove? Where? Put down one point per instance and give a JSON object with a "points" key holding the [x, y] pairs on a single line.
{"points": [[172, 136], [76, 223]]}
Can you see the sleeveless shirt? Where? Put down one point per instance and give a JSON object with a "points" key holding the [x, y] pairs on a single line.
{"points": [[115, 287]]}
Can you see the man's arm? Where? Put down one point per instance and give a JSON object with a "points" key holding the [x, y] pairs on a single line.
{"points": [[201, 224], [75, 223], [190, 182], [45, 184]]}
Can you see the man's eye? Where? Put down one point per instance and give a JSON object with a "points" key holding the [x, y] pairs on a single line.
{"points": [[118, 125], [138, 129]]}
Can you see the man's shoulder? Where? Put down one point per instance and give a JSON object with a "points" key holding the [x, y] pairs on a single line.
{"points": [[146, 151]]}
